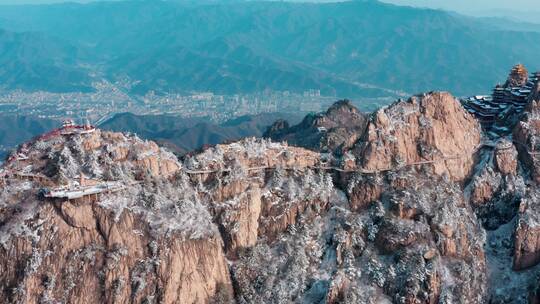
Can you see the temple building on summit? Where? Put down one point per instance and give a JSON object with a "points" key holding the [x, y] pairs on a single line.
{"points": [[519, 76], [500, 111]]}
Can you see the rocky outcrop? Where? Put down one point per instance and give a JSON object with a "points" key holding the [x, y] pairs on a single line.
{"points": [[506, 157], [253, 154], [104, 260], [484, 185], [527, 234], [269, 187], [278, 128], [164, 232], [241, 224], [152, 240], [526, 136], [432, 129], [336, 130], [426, 225], [286, 200], [494, 192], [363, 190]]}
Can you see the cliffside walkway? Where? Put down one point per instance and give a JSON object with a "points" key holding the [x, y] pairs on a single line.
{"points": [[489, 144], [23, 176], [109, 187], [80, 192]]}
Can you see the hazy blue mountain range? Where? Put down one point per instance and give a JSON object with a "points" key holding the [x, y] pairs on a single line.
{"points": [[33, 60], [17, 129], [502, 23], [179, 134], [349, 49], [183, 135]]}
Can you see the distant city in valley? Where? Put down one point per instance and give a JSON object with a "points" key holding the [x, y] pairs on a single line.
{"points": [[94, 59], [110, 99]]}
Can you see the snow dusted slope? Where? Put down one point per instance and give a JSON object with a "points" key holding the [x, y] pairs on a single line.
{"points": [[113, 247], [262, 222]]}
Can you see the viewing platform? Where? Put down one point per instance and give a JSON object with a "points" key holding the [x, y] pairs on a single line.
{"points": [[76, 192]]}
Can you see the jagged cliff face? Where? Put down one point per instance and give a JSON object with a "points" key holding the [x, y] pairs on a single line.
{"points": [[164, 236], [417, 209], [426, 128], [113, 247], [336, 130], [527, 136], [503, 192]]}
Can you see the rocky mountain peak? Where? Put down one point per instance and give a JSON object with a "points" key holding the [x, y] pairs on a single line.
{"points": [[100, 216], [428, 129], [335, 130], [126, 212], [343, 107], [278, 127]]}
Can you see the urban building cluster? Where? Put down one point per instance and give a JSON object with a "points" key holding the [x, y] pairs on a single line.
{"points": [[108, 99]]}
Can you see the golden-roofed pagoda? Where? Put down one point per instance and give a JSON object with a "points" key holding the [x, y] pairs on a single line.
{"points": [[518, 76]]}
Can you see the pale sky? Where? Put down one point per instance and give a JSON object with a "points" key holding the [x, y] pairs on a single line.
{"points": [[454, 5], [45, 1], [473, 5], [446, 4], [518, 10]]}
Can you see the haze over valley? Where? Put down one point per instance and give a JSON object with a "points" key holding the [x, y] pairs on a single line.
{"points": [[351, 49]]}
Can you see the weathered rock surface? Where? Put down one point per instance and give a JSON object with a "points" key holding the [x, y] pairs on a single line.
{"points": [[527, 138], [336, 130], [270, 186], [527, 235], [145, 156], [362, 190], [151, 241], [484, 185], [260, 222], [432, 127], [527, 232], [251, 153], [506, 157]]}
